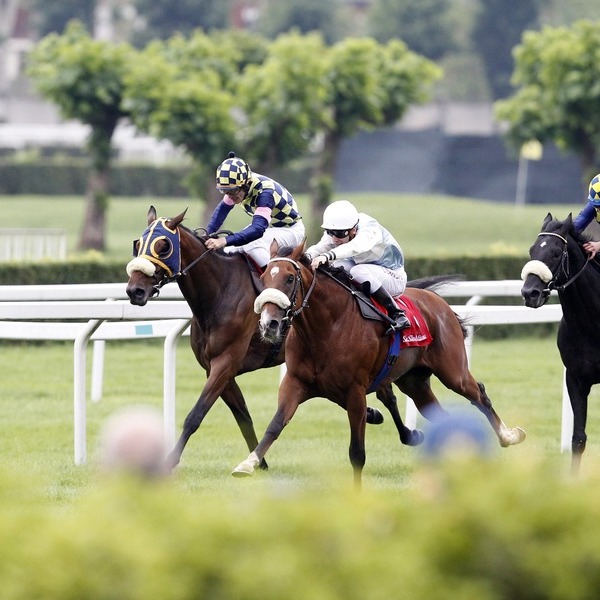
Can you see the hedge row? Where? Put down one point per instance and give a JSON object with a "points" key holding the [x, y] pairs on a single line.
{"points": [[471, 268], [491, 530], [68, 179], [101, 271]]}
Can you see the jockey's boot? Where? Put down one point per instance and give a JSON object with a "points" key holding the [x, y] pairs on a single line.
{"points": [[396, 314]]}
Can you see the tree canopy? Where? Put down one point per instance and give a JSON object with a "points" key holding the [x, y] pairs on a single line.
{"points": [[557, 75]]}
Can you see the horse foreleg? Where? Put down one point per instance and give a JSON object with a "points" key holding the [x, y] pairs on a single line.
{"points": [[578, 396], [409, 437], [290, 396], [234, 399], [356, 408], [219, 376]]}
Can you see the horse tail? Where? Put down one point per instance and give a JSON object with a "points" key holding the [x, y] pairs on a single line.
{"points": [[434, 281], [463, 325]]}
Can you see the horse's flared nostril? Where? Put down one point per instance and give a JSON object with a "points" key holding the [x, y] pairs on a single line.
{"points": [[136, 296]]}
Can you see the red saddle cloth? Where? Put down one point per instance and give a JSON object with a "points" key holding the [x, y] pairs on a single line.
{"points": [[418, 333]]}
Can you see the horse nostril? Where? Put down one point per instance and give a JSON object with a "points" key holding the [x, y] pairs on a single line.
{"points": [[273, 324], [135, 294]]}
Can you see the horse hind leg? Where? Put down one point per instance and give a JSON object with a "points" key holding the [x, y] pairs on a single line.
{"points": [[416, 384], [507, 436], [409, 437], [474, 391]]}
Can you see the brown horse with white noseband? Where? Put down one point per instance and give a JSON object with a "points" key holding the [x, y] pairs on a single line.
{"points": [[224, 332], [333, 352]]}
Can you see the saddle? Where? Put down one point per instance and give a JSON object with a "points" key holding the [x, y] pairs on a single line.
{"points": [[417, 334]]}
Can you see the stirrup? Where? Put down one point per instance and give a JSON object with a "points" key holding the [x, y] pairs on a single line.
{"points": [[401, 323]]}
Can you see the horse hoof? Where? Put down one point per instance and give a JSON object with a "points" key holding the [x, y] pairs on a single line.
{"points": [[416, 438], [513, 437], [374, 416], [244, 469], [520, 435]]}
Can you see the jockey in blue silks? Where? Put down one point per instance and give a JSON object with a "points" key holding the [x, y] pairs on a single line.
{"points": [[590, 212]]}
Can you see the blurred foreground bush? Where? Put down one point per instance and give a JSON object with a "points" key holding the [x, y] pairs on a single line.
{"points": [[485, 530]]}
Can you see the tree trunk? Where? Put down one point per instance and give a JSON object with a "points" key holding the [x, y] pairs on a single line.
{"points": [[322, 184], [99, 147], [93, 233]]}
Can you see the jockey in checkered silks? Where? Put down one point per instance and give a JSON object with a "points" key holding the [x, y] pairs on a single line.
{"points": [[273, 210]]}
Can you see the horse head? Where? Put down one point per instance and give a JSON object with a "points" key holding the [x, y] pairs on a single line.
{"points": [[283, 295], [157, 257], [550, 265]]}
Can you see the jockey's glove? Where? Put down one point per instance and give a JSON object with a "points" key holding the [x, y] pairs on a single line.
{"points": [[322, 259]]}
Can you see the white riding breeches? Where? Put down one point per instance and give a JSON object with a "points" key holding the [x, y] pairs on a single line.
{"points": [[393, 281], [259, 249]]}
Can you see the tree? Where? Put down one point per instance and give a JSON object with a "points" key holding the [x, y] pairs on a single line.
{"points": [[369, 85], [85, 79], [498, 28], [424, 25], [283, 100], [181, 90], [557, 73]]}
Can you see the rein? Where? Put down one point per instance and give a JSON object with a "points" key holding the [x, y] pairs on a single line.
{"points": [[564, 265]]}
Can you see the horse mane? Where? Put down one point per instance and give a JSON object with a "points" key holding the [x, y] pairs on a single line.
{"points": [[578, 236]]}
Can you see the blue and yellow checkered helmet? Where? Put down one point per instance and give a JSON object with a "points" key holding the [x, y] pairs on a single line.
{"points": [[594, 195], [232, 173]]}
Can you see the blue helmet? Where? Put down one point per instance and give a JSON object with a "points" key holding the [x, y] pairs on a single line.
{"points": [[594, 195]]}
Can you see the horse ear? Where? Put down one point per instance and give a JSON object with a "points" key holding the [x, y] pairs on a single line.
{"points": [[569, 221], [176, 220], [547, 220], [299, 250], [151, 214], [274, 248]]}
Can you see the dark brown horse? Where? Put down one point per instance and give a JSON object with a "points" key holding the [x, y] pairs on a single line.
{"points": [[224, 332], [559, 262], [332, 352]]}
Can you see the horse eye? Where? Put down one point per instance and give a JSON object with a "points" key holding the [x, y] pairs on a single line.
{"points": [[290, 279], [166, 248]]}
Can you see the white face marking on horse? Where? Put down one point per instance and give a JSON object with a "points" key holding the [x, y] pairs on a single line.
{"points": [[274, 271], [543, 244]]}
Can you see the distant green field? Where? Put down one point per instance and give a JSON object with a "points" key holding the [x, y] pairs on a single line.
{"points": [[434, 226]]}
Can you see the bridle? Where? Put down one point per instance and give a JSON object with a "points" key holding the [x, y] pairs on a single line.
{"points": [[563, 266], [166, 278], [291, 312]]}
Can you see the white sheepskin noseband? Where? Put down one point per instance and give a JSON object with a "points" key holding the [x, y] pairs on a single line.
{"points": [[139, 263], [271, 295], [536, 267]]}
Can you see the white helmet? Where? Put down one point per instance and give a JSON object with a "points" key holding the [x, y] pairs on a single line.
{"points": [[340, 216]]}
